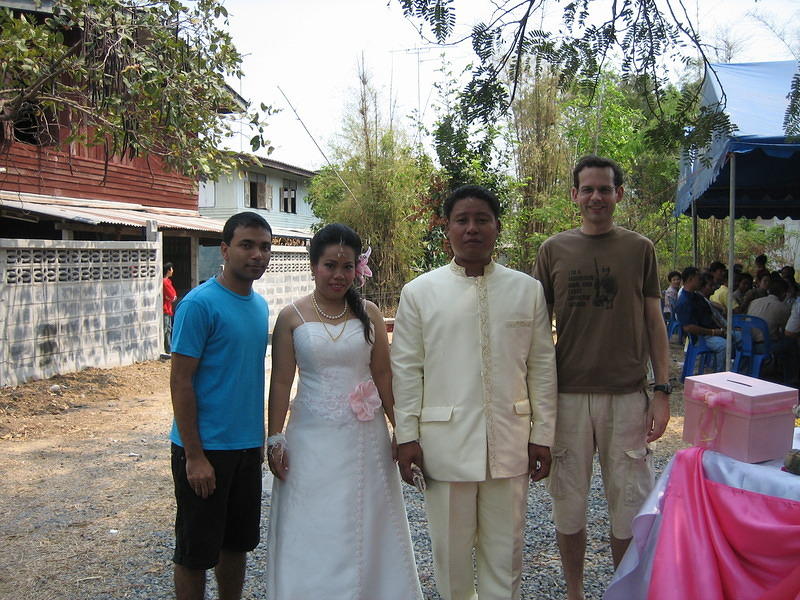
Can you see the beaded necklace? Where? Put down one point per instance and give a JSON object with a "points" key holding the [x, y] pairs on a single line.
{"points": [[322, 312]]}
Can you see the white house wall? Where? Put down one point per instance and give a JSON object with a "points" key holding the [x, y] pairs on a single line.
{"points": [[223, 198], [68, 305], [791, 246], [230, 195]]}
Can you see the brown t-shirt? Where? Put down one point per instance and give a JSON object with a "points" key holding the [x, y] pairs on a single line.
{"points": [[597, 285]]}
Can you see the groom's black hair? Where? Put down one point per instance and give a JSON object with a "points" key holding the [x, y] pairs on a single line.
{"points": [[471, 191]]}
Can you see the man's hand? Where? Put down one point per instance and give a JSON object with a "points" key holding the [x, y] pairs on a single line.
{"points": [[657, 416], [538, 461], [201, 476], [408, 454]]}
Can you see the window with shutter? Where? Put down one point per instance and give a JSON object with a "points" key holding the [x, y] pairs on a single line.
{"points": [[261, 193], [289, 196]]}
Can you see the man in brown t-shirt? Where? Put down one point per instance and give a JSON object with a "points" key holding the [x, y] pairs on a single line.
{"points": [[601, 281]]}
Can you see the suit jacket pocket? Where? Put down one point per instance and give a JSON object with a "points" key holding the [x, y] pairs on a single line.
{"points": [[520, 323], [517, 337], [523, 407], [430, 414]]}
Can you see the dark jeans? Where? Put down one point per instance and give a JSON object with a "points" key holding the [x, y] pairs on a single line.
{"points": [[167, 333], [787, 355]]}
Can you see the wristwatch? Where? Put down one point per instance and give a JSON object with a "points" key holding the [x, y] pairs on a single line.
{"points": [[663, 387]]}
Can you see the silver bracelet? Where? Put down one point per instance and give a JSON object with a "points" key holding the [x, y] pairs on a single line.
{"points": [[276, 440]]}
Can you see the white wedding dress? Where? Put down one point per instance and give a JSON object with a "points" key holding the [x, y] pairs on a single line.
{"points": [[338, 528]]}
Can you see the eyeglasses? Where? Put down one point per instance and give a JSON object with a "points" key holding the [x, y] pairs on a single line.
{"points": [[605, 190]]}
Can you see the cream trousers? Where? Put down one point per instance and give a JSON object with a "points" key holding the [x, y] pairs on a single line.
{"points": [[488, 516]]}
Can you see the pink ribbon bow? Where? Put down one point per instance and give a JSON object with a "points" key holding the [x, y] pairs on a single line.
{"points": [[711, 398], [711, 419], [362, 269], [364, 400]]}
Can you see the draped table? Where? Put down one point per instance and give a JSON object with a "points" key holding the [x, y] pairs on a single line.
{"points": [[715, 528]]}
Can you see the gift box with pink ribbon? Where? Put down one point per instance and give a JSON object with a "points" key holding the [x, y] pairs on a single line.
{"points": [[742, 417]]}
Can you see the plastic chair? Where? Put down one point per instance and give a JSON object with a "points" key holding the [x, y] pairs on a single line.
{"points": [[696, 348], [673, 327], [746, 324]]}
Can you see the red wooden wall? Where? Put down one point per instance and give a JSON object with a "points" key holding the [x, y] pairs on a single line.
{"points": [[80, 174]]}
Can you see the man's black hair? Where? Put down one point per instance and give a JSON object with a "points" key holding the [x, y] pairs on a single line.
{"points": [[592, 160], [672, 274], [716, 266], [689, 272], [706, 278], [471, 191], [243, 219], [777, 287]]}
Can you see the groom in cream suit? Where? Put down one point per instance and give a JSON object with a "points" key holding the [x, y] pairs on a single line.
{"points": [[474, 383]]}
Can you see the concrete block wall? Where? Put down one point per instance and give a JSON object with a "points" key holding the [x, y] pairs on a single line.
{"points": [[288, 278], [68, 305]]}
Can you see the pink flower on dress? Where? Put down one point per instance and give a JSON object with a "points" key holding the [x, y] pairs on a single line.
{"points": [[362, 270], [364, 400]]}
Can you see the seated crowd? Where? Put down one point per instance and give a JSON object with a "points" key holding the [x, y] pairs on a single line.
{"points": [[698, 300]]}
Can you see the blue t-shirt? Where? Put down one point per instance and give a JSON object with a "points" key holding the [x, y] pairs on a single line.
{"points": [[692, 309], [229, 334]]}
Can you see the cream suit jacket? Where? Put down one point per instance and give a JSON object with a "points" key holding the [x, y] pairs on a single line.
{"points": [[474, 371]]}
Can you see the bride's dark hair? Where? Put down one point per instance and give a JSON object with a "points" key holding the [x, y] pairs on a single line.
{"points": [[336, 234]]}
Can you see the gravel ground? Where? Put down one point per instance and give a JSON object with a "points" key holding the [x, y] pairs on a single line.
{"points": [[541, 578], [86, 506]]}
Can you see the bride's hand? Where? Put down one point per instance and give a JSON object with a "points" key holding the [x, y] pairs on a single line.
{"points": [[394, 448], [278, 459]]}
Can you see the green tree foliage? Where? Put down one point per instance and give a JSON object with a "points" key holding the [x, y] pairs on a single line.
{"points": [[138, 77], [553, 127], [374, 187], [750, 240], [543, 158], [642, 37], [467, 154]]}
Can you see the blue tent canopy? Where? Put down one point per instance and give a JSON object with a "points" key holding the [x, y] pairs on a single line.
{"points": [[767, 181]]}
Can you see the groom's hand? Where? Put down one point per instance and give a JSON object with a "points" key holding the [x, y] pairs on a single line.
{"points": [[538, 461], [408, 454]]}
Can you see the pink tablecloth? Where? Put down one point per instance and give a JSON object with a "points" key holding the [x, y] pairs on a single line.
{"points": [[699, 530]]}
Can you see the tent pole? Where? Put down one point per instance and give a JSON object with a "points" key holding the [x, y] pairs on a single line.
{"points": [[731, 258], [695, 255], [675, 247]]}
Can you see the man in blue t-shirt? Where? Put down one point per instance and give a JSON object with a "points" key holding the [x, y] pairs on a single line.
{"points": [[219, 341]]}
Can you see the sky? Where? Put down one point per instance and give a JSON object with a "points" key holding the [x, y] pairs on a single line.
{"points": [[310, 49]]}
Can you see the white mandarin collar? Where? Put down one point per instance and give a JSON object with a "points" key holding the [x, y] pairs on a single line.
{"points": [[462, 272]]}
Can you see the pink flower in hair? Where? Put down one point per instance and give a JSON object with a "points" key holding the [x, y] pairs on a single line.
{"points": [[364, 400], [362, 269]]}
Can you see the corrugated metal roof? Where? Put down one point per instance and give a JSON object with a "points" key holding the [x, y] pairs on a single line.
{"points": [[106, 212], [261, 161], [102, 212]]}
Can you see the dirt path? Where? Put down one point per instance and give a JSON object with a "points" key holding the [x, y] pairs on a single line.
{"points": [[85, 497]]}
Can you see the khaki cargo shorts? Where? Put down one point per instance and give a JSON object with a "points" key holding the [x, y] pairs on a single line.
{"points": [[615, 426]]}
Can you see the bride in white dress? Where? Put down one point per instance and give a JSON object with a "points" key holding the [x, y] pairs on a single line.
{"points": [[338, 527]]}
